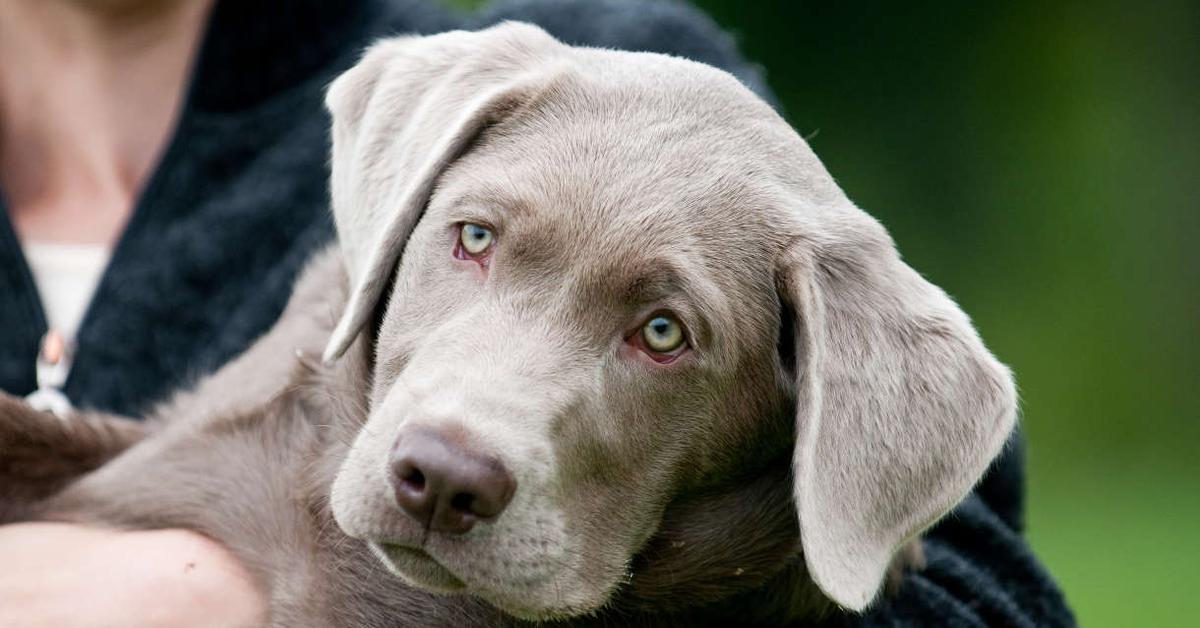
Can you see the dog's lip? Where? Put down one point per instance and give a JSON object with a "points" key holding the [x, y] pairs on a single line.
{"points": [[392, 547], [400, 553], [408, 553]]}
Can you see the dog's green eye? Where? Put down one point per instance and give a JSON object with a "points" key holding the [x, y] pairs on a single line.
{"points": [[663, 334], [475, 239]]}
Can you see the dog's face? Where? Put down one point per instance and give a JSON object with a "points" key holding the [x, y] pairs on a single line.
{"points": [[607, 343], [591, 253]]}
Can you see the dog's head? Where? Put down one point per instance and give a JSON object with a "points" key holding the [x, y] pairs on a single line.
{"points": [[617, 278]]}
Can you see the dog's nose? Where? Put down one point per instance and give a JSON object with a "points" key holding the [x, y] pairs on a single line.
{"points": [[445, 484]]}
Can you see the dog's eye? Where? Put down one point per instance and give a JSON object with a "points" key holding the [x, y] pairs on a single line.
{"points": [[475, 240], [663, 334], [475, 243]]}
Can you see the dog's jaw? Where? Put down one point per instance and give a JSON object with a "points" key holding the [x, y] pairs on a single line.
{"points": [[416, 567], [524, 562]]}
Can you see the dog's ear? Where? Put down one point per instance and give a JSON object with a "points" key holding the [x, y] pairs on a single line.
{"points": [[900, 407], [401, 116]]}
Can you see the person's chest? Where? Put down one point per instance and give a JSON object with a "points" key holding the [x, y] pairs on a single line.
{"points": [[235, 206], [204, 265]]}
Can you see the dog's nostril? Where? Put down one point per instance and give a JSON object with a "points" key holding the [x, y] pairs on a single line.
{"points": [[414, 479], [445, 484], [462, 503]]}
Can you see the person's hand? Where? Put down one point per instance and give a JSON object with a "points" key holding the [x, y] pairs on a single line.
{"points": [[54, 574]]}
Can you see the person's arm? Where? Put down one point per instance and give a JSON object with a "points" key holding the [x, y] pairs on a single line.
{"points": [[980, 571], [68, 575], [59, 574]]}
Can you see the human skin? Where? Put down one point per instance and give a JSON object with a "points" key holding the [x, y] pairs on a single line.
{"points": [[68, 575], [89, 93]]}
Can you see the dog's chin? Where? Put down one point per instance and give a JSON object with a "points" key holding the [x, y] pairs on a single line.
{"points": [[536, 614], [417, 568]]}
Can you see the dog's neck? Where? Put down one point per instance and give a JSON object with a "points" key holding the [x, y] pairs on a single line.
{"points": [[730, 552]]}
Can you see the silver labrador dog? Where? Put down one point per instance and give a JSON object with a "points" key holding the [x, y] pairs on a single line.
{"points": [[611, 348]]}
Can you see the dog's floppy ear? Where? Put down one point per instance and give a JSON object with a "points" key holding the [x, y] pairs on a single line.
{"points": [[900, 407], [401, 116]]}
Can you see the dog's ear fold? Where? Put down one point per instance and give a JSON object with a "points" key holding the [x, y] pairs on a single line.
{"points": [[401, 116], [900, 408]]}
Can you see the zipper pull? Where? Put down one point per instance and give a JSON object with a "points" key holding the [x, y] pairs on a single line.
{"points": [[53, 366]]}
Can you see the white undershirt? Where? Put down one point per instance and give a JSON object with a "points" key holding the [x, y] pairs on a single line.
{"points": [[66, 276]]}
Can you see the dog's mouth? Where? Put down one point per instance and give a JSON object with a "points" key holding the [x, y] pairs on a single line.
{"points": [[417, 566], [420, 569]]}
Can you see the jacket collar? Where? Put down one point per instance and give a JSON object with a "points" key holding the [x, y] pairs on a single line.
{"points": [[254, 49]]}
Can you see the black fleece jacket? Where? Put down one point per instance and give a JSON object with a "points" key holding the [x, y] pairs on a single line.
{"points": [[239, 201]]}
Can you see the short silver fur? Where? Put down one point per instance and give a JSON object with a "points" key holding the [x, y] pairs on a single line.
{"points": [[899, 406]]}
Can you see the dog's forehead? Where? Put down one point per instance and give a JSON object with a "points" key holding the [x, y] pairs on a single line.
{"points": [[630, 164], [639, 155]]}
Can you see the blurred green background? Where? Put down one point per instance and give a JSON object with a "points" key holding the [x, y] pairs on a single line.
{"points": [[1041, 162]]}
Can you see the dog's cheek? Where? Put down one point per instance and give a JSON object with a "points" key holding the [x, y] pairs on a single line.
{"points": [[360, 496], [424, 297], [618, 460]]}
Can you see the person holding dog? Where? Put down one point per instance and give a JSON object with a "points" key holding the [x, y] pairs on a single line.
{"points": [[163, 175]]}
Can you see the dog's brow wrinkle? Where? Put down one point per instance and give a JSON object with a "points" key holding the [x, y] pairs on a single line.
{"points": [[495, 198], [655, 284]]}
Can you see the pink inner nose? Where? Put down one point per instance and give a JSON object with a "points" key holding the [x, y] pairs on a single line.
{"points": [[445, 485]]}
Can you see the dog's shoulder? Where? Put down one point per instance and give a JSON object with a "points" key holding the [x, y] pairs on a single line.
{"points": [[283, 359]]}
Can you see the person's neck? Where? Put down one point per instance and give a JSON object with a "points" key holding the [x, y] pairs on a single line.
{"points": [[89, 93]]}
